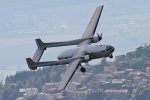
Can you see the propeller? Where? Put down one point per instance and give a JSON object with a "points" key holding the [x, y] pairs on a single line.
{"points": [[95, 39], [99, 36]]}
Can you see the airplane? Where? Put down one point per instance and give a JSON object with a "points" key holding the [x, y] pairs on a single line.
{"points": [[83, 53]]}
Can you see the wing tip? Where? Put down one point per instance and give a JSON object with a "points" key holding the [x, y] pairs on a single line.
{"points": [[62, 86], [100, 7], [60, 89]]}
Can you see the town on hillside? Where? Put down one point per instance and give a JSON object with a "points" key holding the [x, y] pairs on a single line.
{"points": [[117, 80]]}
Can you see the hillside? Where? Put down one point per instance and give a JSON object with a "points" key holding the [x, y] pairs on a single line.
{"points": [[137, 59], [26, 79]]}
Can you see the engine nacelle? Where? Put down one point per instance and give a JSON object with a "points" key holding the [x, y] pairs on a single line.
{"points": [[96, 38], [86, 58]]}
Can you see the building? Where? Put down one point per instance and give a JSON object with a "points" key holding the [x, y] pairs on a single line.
{"points": [[20, 98], [50, 88], [118, 81], [116, 94], [73, 86], [30, 93], [44, 96], [59, 96], [110, 69]]}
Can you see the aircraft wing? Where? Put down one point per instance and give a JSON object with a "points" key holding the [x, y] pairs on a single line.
{"points": [[72, 67], [89, 31], [91, 28], [85, 40]]}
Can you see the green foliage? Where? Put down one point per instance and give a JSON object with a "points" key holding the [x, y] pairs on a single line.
{"points": [[25, 79], [9, 92], [36, 78], [136, 59], [143, 93], [1, 90]]}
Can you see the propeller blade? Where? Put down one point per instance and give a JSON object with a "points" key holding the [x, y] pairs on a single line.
{"points": [[99, 36]]}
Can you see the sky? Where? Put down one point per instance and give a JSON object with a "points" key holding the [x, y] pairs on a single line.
{"points": [[125, 25]]}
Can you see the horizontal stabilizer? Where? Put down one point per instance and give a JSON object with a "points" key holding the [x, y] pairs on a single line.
{"points": [[39, 43]]}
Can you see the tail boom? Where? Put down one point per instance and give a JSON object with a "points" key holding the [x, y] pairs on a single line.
{"points": [[33, 65]]}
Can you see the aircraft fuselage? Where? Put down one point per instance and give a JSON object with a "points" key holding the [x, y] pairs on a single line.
{"points": [[93, 51]]}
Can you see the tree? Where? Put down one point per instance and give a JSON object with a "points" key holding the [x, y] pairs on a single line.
{"points": [[143, 94]]}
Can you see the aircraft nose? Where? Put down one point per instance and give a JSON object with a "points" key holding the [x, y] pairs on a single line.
{"points": [[110, 48]]}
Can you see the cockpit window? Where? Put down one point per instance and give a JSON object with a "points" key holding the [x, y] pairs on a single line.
{"points": [[107, 48]]}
